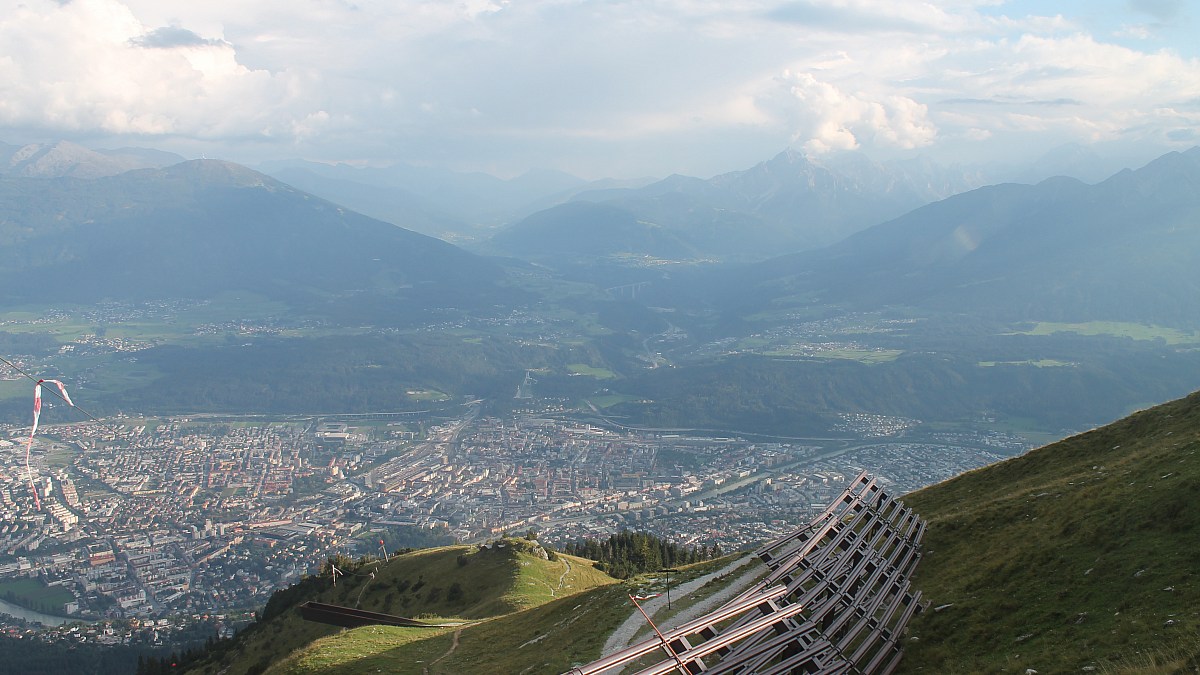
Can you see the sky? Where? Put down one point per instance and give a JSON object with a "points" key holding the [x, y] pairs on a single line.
{"points": [[620, 88]]}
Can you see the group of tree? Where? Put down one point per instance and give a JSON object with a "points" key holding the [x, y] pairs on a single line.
{"points": [[175, 662], [628, 553], [33, 655], [29, 603]]}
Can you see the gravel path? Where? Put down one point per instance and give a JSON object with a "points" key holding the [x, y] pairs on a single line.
{"points": [[713, 601], [623, 636]]}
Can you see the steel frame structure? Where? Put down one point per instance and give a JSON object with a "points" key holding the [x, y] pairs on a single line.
{"points": [[835, 600]]}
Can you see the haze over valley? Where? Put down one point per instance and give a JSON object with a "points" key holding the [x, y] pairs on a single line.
{"points": [[331, 284]]}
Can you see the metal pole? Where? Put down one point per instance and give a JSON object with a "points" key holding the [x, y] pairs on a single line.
{"points": [[668, 571]]}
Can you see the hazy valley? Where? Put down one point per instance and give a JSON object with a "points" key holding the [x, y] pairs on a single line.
{"points": [[279, 378]]}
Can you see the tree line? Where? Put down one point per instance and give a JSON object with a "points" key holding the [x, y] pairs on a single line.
{"points": [[628, 553]]}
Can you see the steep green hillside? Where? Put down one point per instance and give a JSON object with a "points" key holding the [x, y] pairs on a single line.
{"points": [[459, 582], [1082, 555], [551, 634], [546, 639]]}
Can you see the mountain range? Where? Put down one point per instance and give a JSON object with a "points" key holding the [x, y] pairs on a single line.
{"points": [[451, 205], [1123, 249], [205, 227], [63, 158], [789, 203], [969, 277]]}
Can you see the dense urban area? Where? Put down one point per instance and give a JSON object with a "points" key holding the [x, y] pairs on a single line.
{"points": [[167, 522]]}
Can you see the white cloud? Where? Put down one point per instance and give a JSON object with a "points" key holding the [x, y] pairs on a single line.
{"points": [[1074, 85], [824, 118], [1139, 31], [91, 65], [678, 85]]}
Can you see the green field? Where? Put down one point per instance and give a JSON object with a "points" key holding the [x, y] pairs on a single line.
{"points": [[609, 400], [60, 455], [1134, 331], [31, 594], [867, 356], [753, 343], [590, 371], [1040, 363], [16, 389]]}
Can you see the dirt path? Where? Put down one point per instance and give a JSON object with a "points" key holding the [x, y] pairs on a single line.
{"points": [[562, 579], [453, 646], [623, 636]]}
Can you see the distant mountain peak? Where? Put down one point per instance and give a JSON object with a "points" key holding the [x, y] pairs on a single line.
{"points": [[66, 159], [792, 156], [220, 172], [62, 158], [203, 227]]}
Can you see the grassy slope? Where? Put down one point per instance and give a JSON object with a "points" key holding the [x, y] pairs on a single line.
{"points": [[421, 584], [544, 639], [504, 582], [548, 636], [1074, 555]]}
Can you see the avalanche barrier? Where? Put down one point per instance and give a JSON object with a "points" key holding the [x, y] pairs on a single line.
{"points": [[835, 600]]}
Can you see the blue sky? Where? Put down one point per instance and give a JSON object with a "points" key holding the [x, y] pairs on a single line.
{"points": [[1145, 25], [601, 87]]}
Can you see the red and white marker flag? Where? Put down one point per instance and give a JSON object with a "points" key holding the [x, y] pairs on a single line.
{"points": [[37, 414]]}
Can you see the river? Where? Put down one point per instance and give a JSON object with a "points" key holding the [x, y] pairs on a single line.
{"points": [[30, 615]]}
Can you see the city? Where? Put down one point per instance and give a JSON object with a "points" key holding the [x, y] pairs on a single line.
{"points": [[147, 519]]}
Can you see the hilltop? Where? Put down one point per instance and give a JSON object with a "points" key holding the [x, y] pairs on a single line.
{"points": [[453, 584], [788, 203], [1078, 555], [204, 227]]}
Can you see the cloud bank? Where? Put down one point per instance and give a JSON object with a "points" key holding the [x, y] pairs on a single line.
{"points": [[618, 88]]}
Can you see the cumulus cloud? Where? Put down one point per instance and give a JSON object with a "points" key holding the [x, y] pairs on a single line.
{"points": [[604, 87], [825, 118], [91, 65]]}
